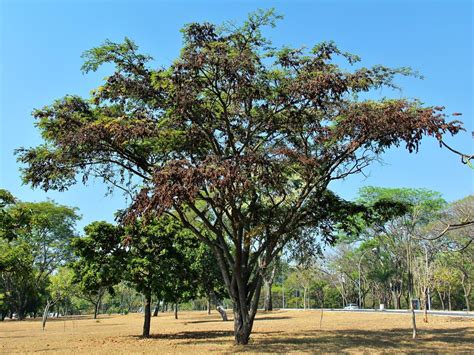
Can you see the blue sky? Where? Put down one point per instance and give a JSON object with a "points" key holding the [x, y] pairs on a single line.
{"points": [[41, 44]]}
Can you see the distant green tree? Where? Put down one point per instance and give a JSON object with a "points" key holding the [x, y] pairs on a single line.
{"points": [[208, 276], [51, 228], [403, 231], [42, 230], [18, 284], [99, 263], [13, 219], [60, 289], [155, 262]]}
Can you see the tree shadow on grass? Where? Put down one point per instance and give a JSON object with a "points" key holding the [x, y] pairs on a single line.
{"points": [[231, 320], [272, 318], [209, 334], [460, 339], [65, 318], [226, 335], [209, 321]]}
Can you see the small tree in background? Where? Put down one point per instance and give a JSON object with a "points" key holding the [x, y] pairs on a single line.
{"points": [[99, 265], [60, 288], [36, 241], [156, 263]]}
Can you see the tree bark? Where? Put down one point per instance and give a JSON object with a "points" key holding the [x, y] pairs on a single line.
{"points": [[96, 309], [209, 306], [176, 311], [425, 306], [398, 303], [466, 299], [413, 319], [219, 308], [268, 302], [21, 313], [157, 309], [466, 287], [449, 299], [441, 300], [467, 293], [147, 321], [267, 284], [46, 312], [242, 328], [222, 312]]}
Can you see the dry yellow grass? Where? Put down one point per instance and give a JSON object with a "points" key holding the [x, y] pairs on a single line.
{"points": [[278, 331]]}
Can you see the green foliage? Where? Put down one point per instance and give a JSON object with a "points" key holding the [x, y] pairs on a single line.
{"points": [[422, 204], [35, 241], [156, 259], [100, 256], [51, 228], [123, 55], [13, 219], [18, 277]]}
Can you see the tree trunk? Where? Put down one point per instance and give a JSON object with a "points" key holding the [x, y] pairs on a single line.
{"points": [[96, 309], [21, 313], [413, 319], [268, 302], [220, 309], [398, 303], [242, 328], [468, 307], [407, 299], [467, 292], [157, 309], [304, 298], [176, 311], [410, 296], [267, 284], [466, 287], [147, 321], [209, 306], [449, 298], [425, 306], [46, 312], [222, 312], [440, 299]]}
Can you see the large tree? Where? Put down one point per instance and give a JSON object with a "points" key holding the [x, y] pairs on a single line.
{"points": [[235, 134]]}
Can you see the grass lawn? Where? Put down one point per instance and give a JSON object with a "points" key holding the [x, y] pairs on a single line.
{"points": [[277, 331]]}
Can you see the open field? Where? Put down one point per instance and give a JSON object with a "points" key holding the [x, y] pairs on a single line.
{"points": [[278, 331]]}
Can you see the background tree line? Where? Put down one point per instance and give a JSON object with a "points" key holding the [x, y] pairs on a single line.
{"points": [[47, 267], [385, 261]]}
